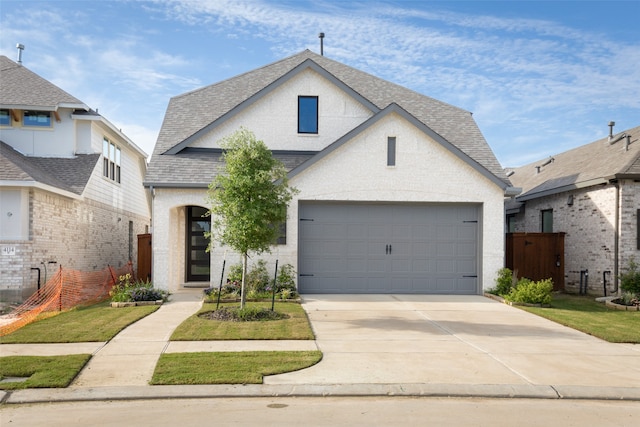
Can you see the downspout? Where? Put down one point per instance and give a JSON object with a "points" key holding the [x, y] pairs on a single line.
{"points": [[616, 239]]}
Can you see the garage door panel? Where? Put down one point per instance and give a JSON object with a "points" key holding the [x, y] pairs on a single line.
{"points": [[400, 266], [445, 250], [380, 248], [466, 249], [445, 266]]}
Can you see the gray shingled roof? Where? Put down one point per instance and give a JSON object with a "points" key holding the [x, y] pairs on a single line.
{"points": [[590, 164], [69, 174], [21, 87], [191, 112]]}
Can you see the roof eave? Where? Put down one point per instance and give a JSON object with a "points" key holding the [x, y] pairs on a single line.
{"points": [[55, 107], [154, 184], [562, 189], [41, 186]]}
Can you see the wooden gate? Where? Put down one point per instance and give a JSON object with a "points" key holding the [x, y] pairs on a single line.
{"points": [[144, 257], [537, 256]]}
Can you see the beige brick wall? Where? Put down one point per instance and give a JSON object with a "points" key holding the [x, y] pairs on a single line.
{"points": [[79, 234]]}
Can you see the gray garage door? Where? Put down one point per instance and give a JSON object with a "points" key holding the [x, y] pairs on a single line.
{"points": [[384, 248]]}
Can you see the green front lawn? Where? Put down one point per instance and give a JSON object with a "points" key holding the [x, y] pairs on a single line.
{"points": [[245, 367], [41, 371], [95, 323], [296, 327], [585, 314]]}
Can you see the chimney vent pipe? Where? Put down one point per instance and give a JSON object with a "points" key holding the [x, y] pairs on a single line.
{"points": [[611, 125], [20, 48], [321, 36]]}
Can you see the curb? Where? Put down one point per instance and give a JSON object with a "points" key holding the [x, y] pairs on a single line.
{"points": [[494, 391]]}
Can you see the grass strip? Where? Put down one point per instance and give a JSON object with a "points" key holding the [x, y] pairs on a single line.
{"points": [[295, 327], [42, 371], [587, 315], [246, 367], [95, 323]]}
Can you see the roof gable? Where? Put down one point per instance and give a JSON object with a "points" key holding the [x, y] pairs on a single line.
{"points": [[21, 88], [587, 165], [394, 108], [190, 115], [306, 65]]}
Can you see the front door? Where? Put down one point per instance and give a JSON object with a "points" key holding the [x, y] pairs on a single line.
{"points": [[198, 260]]}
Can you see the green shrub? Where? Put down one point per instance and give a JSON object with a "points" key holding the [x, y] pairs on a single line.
{"points": [[504, 282], [530, 292], [630, 280], [257, 277], [127, 291], [235, 273], [286, 284]]}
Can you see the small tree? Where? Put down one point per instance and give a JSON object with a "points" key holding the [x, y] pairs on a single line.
{"points": [[249, 201]]}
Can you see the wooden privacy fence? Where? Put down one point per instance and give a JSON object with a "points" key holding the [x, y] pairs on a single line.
{"points": [[537, 256], [66, 289]]}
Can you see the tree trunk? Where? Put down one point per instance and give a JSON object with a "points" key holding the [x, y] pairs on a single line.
{"points": [[243, 294]]}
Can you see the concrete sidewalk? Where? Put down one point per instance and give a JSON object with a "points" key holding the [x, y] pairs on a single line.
{"points": [[411, 345]]}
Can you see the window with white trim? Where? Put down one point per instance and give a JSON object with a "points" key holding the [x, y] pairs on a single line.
{"points": [[111, 157]]}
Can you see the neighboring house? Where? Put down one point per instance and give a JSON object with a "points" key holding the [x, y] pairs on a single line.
{"points": [[398, 192], [71, 189], [591, 193]]}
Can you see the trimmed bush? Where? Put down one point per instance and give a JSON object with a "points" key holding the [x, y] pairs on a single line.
{"points": [[504, 282], [530, 292], [630, 280]]}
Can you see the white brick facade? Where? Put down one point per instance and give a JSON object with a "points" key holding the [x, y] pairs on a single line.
{"points": [[355, 172]]}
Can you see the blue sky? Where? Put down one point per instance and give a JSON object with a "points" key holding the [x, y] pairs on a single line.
{"points": [[540, 77]]}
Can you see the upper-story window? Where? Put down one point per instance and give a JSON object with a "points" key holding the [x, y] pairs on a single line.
{"points": [[36, 118], [111, 157], [391, 151], [5, 118], [547, 220], [307, 114]]}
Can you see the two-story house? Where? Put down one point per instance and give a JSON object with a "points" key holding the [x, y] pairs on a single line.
{"points": [[71, 189], [398, 192]]}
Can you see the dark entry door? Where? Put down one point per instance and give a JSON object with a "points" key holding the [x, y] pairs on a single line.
{"points": [[198, 260]]}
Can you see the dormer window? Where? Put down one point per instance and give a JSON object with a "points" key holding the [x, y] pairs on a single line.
{"points": [[308, 114], [36, 119]]}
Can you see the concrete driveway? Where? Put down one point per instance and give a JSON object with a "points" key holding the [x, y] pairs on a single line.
{"points": [[427, 339]]}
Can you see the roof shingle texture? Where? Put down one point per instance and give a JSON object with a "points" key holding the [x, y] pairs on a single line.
{"points": [[596, 160], [192, 111], [20, 86], [69, 174]]}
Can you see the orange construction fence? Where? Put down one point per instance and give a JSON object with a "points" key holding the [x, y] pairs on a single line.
{"points": [[65, 290]]}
